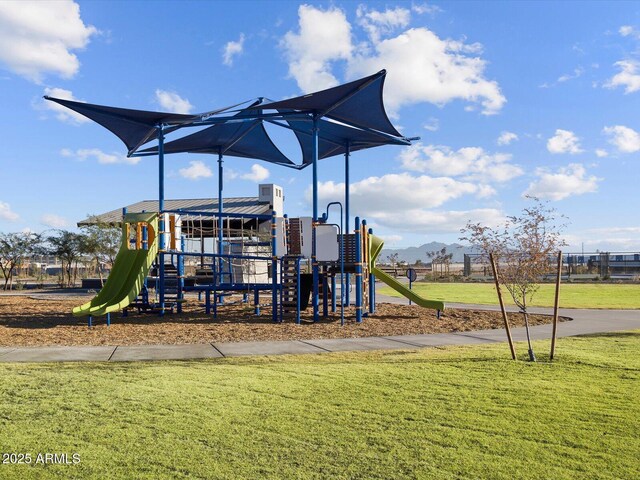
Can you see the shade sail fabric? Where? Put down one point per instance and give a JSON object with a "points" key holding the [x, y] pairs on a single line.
{"points": [[133, 127], [358, 103], [351, 114], [335, 139], [247, 139]]}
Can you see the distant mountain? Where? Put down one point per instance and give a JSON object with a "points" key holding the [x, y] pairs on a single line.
{"points": [[411, 254]]}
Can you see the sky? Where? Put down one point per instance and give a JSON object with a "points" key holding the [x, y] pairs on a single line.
{"points": [[510, 99]]}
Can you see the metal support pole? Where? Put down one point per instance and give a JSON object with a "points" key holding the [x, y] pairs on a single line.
{"points": [[220, 210], [274, 269], [314, 262], [298, 291], [181, 275], [333, 293], [161, 224], [325, 295], [347, 154], [256, 302], [358, 271], [372, 284]]}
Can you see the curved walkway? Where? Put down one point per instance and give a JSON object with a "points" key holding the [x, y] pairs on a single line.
{"points": [[584, 322]]}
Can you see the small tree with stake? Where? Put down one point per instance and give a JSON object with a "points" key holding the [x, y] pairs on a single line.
{"points": [[14, 248], [523, 248]]}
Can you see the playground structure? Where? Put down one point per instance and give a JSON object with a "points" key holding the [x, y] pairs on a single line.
{"points": [[289, 258]]}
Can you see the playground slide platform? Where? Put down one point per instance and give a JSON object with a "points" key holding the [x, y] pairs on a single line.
{"points": [[128, 274], [375, 247], [404, 291]]}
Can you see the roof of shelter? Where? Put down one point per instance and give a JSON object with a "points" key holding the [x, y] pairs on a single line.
{"points": [[240, 205], [247, 139], [351, 113], [358, 103], [133, 127]]}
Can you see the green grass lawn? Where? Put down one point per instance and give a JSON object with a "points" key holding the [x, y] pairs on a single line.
{"points": [[572, 295], [458, 412]]}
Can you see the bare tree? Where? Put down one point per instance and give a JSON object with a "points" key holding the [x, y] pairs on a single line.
{"points": [[524, 248], [441, 258], [14, 249], [101, 242], [68, 247], [393, 261]]}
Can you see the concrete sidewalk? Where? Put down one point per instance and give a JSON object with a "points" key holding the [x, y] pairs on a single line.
{"points": [[584, 322]]}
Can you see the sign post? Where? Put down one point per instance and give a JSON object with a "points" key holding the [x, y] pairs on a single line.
{"points": [[412, 276]]}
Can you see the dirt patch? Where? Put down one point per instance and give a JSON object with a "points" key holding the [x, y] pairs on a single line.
{"points": [[46, 320]]}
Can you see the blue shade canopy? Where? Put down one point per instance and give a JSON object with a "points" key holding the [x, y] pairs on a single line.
{"points": [[133, 127], [247, 139], [358, 103], [335, 138]]}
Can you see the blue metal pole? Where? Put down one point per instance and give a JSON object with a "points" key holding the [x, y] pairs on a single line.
{"points": [[333, 293], [372, 285], [161, 225], [347, 154], [314, 262], [274, 269], [256, 302], [358, 271], [298, 291], [181, 275], [220, 210]]}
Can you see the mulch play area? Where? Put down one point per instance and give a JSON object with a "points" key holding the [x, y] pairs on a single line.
{"points": [[38, 320]]}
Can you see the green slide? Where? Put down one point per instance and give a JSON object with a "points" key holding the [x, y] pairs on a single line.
{"points": [[375, 246], [128, 272]]}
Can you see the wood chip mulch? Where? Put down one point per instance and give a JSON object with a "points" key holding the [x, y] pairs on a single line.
{"points": [[46, 320]]}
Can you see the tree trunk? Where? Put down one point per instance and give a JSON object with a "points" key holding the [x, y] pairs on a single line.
{"points": [[99, 267]]}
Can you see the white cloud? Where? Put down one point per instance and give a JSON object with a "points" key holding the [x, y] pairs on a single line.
{"points": [[438, 221], [393, 192], [567, 181], [324, 37], [601, 153], [506, 138], [378, 24], [421, 8], [54, 221], [564, 141], [232, 49], [433, 124], [624, 138], [62, 113], [37, 38], [196, 170], [425, 68], [97, 154], [258, 174], [472, 163], [172, 102], [577, 72], [421, 66], [611, 239], [628, 77], [625, 30], [405, 202], [6, 213], [389, 240]]}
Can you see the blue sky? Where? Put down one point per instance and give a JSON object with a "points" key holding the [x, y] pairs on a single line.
{"points": [[509, 98]]}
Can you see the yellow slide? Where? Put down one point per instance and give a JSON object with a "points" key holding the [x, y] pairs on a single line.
{"points": [[375, 246], [128, 271]]}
